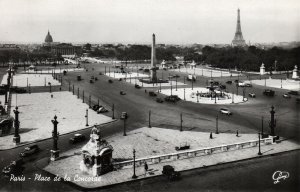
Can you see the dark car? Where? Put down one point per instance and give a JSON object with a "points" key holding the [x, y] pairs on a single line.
{"points": [[91, 81], [96, 107], [229, 82], [110, 81], [147, 70], [286, 95], [30, 150], [15, 167], [159, 100], [182, 146], [152, 94], [137, 86], [171, 174], [122, 93], [79, 78], [102, 110], [77, 138], [222, 86], [172, 98], [293, 93], [269, 92]]}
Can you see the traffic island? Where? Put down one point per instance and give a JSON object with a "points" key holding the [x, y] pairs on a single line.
{"points": [[157, 147]]}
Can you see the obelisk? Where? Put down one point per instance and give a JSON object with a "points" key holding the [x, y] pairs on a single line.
{"points": [[153, 61]]}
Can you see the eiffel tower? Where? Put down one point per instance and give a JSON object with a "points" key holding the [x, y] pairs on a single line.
{"points": [[238, 37]]}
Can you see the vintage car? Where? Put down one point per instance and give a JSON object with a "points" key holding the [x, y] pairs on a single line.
{"points": [[30, 151], [170, 173], [77, 138], [15, 167]]}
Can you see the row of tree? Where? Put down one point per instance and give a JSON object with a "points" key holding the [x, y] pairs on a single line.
{"points": [[249, 59]]}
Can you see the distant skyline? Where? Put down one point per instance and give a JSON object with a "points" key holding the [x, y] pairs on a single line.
{"points": [[133, 21]]}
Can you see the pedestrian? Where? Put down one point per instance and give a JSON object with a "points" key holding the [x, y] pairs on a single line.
{"points": [[210, 136], [237, 133], [145, 91], [146, 168]]}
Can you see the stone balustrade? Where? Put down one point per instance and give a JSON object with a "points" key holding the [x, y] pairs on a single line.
{"points": [[192, 153]]}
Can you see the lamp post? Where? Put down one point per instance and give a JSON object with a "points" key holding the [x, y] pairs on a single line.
{"points": [[124, 127], [217, 124], [184, 93], [16, 138], [259, 152], [49, 87], [87, 117], [149, 119], [272, 122], [176, 82], [55, 134], [262, 125], [134, 176], [113, 111], [181, 121]]}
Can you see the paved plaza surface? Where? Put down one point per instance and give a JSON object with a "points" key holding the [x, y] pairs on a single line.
{"points": [[155, 141], [32, 80], [126, 75], [190, 94], [288, 84], [38, 109], [206, 72], [47, 70]]}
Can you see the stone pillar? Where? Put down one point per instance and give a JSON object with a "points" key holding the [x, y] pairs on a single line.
{"points": [[54, 151], [16, 138], [153, 61]]}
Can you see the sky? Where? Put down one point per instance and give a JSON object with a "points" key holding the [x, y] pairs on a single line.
{"points": [[134, 21]]}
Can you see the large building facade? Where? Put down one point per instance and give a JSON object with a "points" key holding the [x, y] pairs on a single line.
{"points": [[64, 49]]}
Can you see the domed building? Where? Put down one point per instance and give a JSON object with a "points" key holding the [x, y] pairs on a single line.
{"points": [[48, 38], [64, 49]]}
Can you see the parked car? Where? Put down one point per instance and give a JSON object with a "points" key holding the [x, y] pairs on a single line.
{"points": [[96, 107], [159, 100], [172, 98], [102, 110], [241, 84], [77, 138], [124, 115], [147, 70], [110, 81], [286, 95], [152, 94], [293, 93], [137, 86], [222, 86], [225, 111], [269, 92], [170, 172], [15, 167], [100, 73], [30, 150], [229, 82], [176, 76], [248, 85], [252, 95], [122, 93], [182, 146]]}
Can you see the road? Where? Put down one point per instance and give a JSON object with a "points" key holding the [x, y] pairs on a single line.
{"points": [[197, 117]]}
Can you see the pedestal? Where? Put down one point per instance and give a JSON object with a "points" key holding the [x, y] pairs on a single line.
{"points": [[16, 140], [96, 170], [54, 155]]}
